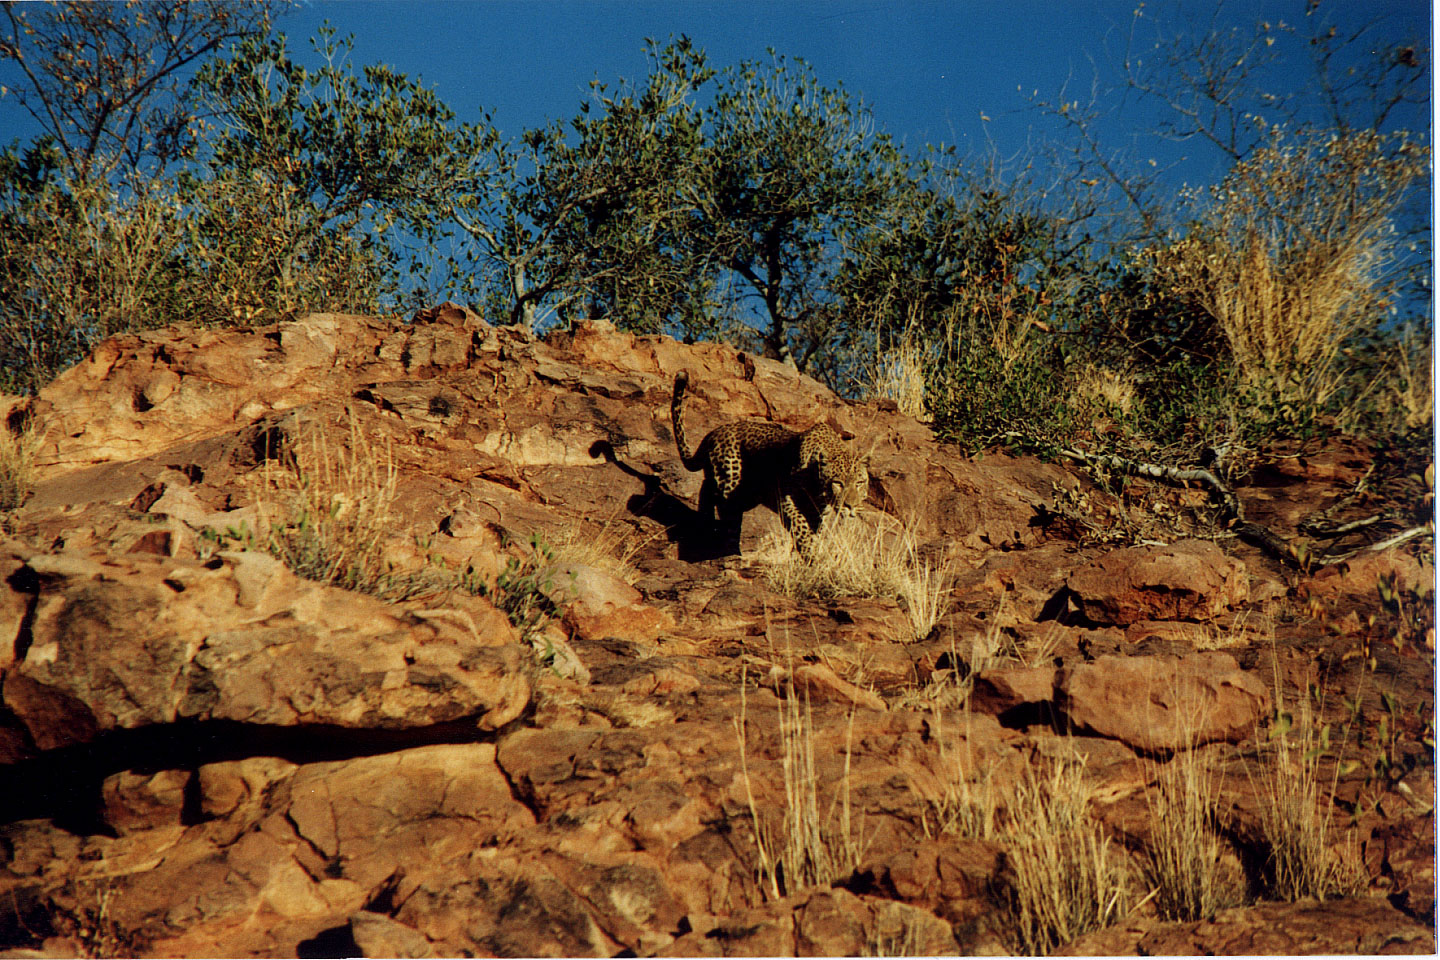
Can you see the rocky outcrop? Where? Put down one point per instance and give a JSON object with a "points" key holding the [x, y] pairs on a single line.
{"points": [[113, 643], [218, 757]]}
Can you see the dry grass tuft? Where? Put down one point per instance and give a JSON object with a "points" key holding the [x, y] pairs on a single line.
{"points": [[1062, 879], [17, 464], [899, 375], [627, 710], [806, 848], [611, 547], [325, 512], [1409, 382], [1305, 858], [970, 803], [854, 558], [1105, 388], [1185, 863]]}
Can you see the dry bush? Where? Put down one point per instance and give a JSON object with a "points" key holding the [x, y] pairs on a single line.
{"points": [[1061, 880], [326, 512], [807, 848], [1185, 859], [1409, 387], [899, 375], [853, 558], [1290, 254], [1104, 388], [17, 464]]}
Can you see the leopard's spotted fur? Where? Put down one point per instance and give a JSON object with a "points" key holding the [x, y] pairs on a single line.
{"points": [[747, 461]]}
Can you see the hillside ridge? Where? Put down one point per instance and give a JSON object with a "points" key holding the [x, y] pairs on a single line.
{"points": [[554, 717]]}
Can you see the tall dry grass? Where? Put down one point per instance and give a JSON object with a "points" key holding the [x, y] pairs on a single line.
{"points": [[1186, 861], [971, 801], [1306, 854], [18, 449], [898, 374], [806, 847], [1062, 877], [1409, 385]]}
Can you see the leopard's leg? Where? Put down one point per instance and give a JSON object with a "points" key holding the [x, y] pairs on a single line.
{"points": [[708, 502], [795, 522]]}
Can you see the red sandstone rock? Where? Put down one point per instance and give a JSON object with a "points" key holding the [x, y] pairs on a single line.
{"points": [[1188, 580], [268, 766], [1164, 703]]}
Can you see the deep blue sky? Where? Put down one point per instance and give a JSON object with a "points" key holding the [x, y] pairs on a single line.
{"points": [[928, 68]]}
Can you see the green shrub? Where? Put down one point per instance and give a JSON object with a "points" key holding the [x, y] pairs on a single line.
{"points": [[79, 262]]}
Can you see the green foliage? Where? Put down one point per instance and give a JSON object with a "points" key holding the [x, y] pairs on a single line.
{"points": [[309, 189], [793, 173], [79, 261], [525, 590], [662, 214], [315, 180], [751, 203], [587, 216]]}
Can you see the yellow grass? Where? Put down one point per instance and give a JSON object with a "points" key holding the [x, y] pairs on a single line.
{"points": [[325, 511], [1062, 878], [1186, 858], [17, 464], [970, 803], [806, 848], [608, 546], [899, 375], [1306, 858], [1290, 252], [856, 558]]}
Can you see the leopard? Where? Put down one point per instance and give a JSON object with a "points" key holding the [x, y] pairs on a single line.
{"points": [[751, 461]]}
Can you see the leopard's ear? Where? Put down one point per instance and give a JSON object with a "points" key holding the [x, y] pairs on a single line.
{"points": [[837, 490]]}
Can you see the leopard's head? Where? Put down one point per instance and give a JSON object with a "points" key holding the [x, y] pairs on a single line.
{"points": [[849, 477]]}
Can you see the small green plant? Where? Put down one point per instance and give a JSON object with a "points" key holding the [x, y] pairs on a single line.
{"points": [[524, 590]]}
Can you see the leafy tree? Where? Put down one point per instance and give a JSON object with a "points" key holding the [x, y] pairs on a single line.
{"points": [[587, 216], [107, 81], [315, 181], [791, 173]]}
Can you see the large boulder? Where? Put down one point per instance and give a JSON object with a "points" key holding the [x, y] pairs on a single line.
{"points": [[137, 640], [1188, 580], [1162, 704]]}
